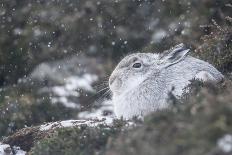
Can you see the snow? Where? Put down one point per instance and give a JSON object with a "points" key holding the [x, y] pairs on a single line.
{"points": [[63, 91], [18, 31], [74, 83], [70, 123], [83, 82], [49, 44], [225, 143], [159, 35], [99, 113], [37, 32], [66, 80], [18, 151], [89, 118], [173, 26], [5, 149], [70, 88], [153, 24], [65, 102]]}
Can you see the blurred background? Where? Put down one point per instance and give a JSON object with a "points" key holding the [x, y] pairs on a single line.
{"points": [[56, 55]]}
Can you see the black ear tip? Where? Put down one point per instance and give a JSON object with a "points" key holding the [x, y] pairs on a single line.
{"points": [[180, 47]]}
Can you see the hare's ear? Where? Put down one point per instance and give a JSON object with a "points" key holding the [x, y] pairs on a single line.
{"points": [[174, 55]]}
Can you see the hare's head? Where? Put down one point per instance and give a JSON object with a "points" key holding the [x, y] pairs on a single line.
{"points": [[136, 68]]}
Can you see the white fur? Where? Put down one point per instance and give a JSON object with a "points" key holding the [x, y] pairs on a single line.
{"points": [[204, 76], [139, 92]]}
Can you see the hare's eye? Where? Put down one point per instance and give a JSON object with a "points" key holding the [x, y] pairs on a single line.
{"points": [[137, 65]]}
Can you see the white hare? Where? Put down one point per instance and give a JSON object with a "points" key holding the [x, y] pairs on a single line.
{"points": [[141, 82]]}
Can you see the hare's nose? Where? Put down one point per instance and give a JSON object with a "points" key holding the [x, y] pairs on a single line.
{"points": [[112, 79]]}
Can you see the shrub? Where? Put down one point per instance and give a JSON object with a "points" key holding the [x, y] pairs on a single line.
{"points": [[77, 140]]}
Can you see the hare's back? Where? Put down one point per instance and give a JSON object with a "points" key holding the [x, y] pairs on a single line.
{"points": [[202, 70], [179, 76]]}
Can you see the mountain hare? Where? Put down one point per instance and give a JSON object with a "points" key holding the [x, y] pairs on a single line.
{"points": [[141, 82]]}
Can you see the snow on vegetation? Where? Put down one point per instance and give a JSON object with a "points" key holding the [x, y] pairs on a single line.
{"points": [[70, 123], [66, 80], [18, 151], [5, 149], [225, 143], [158, 36], [74, 83], [71, 87]]}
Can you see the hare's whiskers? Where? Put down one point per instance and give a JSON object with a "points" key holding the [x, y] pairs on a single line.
{"points": [[103, 96], [102, 90]]}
